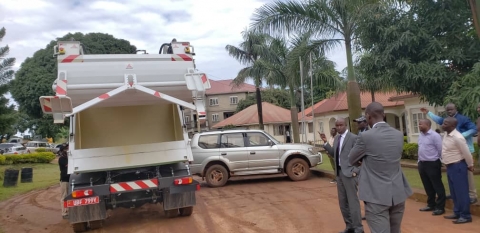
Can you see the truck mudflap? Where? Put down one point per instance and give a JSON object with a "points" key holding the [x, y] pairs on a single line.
{"points": [[86, 213]]}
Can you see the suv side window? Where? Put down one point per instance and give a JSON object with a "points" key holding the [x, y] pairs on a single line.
{"points": [[208, 141], [232, 140], [257, 139]]}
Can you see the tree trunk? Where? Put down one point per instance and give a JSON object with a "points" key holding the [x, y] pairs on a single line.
{"points": [[373, 95], [353, 90], [259, 107], [294, 114]]}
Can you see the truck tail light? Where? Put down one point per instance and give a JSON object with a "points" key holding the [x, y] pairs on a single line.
{"points": [[82, 193], [184, 180]]}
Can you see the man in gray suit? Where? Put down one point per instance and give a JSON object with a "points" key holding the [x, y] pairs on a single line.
{"points": [[382, 184], [346, 176]]}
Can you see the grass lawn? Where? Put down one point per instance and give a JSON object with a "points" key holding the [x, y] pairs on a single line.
{"points": [[412, 175], [44, 175]]}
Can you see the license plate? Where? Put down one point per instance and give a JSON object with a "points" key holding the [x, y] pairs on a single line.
{"points": [[83, 201]]}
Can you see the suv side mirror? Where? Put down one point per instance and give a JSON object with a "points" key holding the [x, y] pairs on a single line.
{"points": [[270, 143]]}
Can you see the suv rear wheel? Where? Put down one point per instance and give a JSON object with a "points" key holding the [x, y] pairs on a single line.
{"points": [[298, 169], [216, 175]]}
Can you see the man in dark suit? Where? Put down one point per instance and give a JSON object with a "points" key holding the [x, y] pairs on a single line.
{"points": [[346, 176], [362, 126], [382, 184]]}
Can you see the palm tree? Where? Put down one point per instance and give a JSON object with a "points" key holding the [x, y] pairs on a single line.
{"points": [[333, 21], [280, 65], [247, 53]]}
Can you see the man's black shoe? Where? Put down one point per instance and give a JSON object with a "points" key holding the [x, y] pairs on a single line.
{"points": [[438, 212], [428, 208], [473, 201], [453, 216], [462, 220]]}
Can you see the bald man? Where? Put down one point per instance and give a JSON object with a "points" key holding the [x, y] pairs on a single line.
{"points": [[456, 156], [430, 167], [382, 184], [347, 176]]}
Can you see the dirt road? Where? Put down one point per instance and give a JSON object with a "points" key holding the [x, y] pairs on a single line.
{"points": [[265, 205]]}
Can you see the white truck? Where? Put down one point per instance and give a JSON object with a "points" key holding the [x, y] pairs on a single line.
{"points": [[128, 144]]}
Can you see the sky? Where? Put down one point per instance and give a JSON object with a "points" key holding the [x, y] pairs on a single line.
{"points": [[209, 25]]}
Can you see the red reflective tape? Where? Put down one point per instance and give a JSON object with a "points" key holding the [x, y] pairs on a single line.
{"points": [[69, 58], [204, 78], [185, 43], [156, 94], [125, 186], [155, 181], [185, 57], [142, 185], [202, 113], [47, 109], [104, 96], [113, 190], [60, 91]]}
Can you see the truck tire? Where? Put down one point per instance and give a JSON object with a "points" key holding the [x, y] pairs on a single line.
{"points": [[186, 211], [79, 227], [96, 224], [171, 213], [217, 176], [298, 169]]}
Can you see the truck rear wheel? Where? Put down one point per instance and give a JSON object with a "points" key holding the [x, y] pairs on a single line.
{"points": [[298, 169], [79, 227], [171, 213], [186, 211], [217, 176]]}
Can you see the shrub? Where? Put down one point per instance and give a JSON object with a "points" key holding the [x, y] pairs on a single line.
{"points": [[37, 157], [405, 139], [410, 151], [41, 149]]}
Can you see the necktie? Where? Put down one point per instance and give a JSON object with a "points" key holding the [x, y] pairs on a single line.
{"points": [[337, 160]]}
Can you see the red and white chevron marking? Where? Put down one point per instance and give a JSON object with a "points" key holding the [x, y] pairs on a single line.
{"points": [[133, 185], [181, 57], [47, 106], [61, 87]]}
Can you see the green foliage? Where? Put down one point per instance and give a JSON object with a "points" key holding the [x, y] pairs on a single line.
{"points": [[41, 149], [229, 127], [62, 134], [405, 139], [37, 157], [410, 151], [36, 75], [465, 93], [275, 96], [8, 115], [423, 48]]}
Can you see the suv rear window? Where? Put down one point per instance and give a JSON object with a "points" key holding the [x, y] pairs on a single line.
{"points": [[208, 142]]}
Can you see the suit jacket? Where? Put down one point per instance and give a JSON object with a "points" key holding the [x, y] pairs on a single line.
{"points": [[382, 180], [348, 143]]}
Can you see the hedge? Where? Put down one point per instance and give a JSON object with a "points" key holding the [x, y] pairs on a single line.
{"points": [[410, 151], [37, 157]]}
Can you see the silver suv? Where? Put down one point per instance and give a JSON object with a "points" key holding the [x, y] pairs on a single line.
{"points": [[219, 155]]}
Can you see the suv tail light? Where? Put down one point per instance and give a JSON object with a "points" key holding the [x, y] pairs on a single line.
{"points": [[82, 193], [184, 180]]}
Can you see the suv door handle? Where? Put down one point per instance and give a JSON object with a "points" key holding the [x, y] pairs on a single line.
{"points": [[223, 153], [252, 152]]}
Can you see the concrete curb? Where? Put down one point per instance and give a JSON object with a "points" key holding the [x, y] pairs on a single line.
{"points": [[418, 195]]}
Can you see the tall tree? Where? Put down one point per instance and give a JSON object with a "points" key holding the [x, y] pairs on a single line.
{"points": [[247, 53], [333, 22], [8, 114], [36, 75], [423, 48]]}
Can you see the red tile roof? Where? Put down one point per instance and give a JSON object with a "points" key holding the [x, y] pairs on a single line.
{"points": [[271, 114], [402, 96], [227, 86], [339, 102]]}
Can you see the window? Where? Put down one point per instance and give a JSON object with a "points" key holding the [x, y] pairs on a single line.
{"points": [[416, 117], [208, 141], [257, 139], [278, 130], [232, 140], [214, 117], [213, 101], [187, 119], [233, 100], [320, 126], [310, 127]]}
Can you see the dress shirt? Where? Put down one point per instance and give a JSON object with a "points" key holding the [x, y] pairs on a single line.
{"points": [[341, 137], [429, 146], [455, 149]]}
